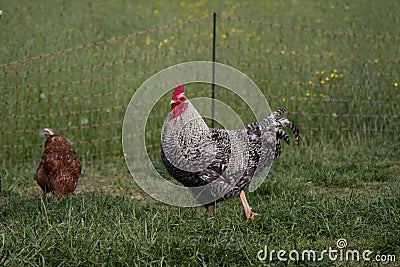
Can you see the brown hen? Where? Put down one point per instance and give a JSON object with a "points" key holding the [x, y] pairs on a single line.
{"points": [[59, 169]]}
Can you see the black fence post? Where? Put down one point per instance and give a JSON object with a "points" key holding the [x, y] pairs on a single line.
{"points": [[213, 68]]}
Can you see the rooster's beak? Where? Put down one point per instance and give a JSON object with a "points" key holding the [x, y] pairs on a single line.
{"points": [[173, 101]]}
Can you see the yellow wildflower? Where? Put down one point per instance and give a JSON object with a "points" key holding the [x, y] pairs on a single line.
{"points": [[248, 37], [148, 41], [396, 84]]}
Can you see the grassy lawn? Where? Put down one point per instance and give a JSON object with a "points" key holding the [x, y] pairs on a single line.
{"points": [[307, 202], [74, 65]]}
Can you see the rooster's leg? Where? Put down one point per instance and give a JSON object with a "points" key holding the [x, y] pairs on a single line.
{"points": [[211, 209], [247, 209]]}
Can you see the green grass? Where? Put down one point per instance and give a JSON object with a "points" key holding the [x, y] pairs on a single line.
{"points": [[309, 200], [103, 230], [61, 68]]}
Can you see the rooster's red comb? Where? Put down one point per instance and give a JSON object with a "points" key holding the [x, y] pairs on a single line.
{"points": [[178, 90]]}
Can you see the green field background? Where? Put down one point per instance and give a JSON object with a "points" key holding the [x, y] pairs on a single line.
{"points": [[73, 67]]}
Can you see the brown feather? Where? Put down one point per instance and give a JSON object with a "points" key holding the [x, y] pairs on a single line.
{"points": [[60, 168]]}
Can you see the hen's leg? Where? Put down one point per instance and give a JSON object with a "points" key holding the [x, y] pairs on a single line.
{"points": [[247, 209]]}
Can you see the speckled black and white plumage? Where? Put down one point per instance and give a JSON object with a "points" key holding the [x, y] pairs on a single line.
{"points": [[217, 164]]}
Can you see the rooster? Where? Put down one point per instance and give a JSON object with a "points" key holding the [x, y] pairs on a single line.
{"points": [[218, 164], [59, 169]]}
